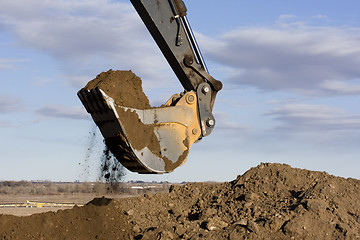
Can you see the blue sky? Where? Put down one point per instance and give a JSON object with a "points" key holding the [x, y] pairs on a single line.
{"points": [[290, 71]]}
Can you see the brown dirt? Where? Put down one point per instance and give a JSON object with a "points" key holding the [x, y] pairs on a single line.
{"points": [[123, 86], [139, 135], [270, 201]]}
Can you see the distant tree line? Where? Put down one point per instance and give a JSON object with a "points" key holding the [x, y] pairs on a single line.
{"points": [[56, 188]]}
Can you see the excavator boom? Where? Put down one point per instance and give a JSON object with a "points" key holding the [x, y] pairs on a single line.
{"points": [[184, 119]]}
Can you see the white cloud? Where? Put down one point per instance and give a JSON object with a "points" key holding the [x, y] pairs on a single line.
{"points": [[61, 111], [314, 118], [297, 57], [89, 37], [340, 87], [283, 101], [86, 37], [223, 122], [10, 104], [77, 80], [7, 124], [6, 63], [41, 81]]}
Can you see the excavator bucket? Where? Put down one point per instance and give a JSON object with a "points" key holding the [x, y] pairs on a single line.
{"points": [[155, 140]]}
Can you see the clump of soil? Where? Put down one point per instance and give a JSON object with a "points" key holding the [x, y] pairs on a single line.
{"points": [[123, 86], [270, 201]]}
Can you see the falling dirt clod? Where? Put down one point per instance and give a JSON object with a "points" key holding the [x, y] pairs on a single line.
{"points": [[270, 201]]}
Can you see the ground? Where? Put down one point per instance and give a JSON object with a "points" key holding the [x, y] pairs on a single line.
{"points": [[270, 201]]}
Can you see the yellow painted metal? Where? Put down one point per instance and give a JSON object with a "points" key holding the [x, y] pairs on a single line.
{"points": [[39, 205], [176, 127], [193, 130]]}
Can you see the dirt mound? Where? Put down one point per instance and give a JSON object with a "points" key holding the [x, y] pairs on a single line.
{"points": [[270, 201]]}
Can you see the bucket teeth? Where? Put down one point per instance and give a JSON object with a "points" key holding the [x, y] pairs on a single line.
{"points": [[93, 100]]}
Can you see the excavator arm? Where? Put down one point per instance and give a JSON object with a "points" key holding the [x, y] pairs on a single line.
{"points": [[167, 23], [184, 119]]}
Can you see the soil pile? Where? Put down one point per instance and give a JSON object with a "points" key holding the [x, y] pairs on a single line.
{"points": [[270, 201]]}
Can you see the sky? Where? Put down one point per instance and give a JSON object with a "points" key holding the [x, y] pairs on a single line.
{"points": [[290, 71]]}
